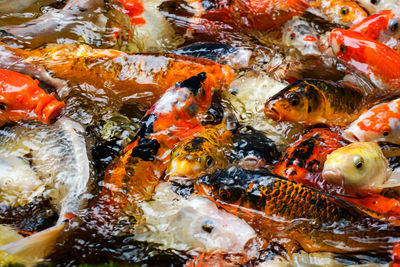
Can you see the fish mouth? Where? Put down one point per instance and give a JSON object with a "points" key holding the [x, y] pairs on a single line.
{"points": [[272, 113], [251, 163], [333, 176], [351, 137], [333, 40], [48, 108]]}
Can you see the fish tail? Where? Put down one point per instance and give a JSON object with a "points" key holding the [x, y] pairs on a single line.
{"points": [[37, 246]]}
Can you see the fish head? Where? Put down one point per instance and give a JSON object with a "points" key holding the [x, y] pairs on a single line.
{"points": [[191, 158], [379, 124], [22, 98], [345, 12], [299, 102], [300, 35], [201, 224], [357, 167], [349, 46]]}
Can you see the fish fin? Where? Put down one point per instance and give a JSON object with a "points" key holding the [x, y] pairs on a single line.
{"points": [[393, 180], [37, 246]]}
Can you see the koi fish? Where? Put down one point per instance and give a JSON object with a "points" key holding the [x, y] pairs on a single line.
{"points": [[381, 123], [22, 98], [290, 213], [359, 168], [132, 176], [245, 14], [343, 12], [299, 34], [191, 224], [383, 27], [304, 160], [142, 77], [312, 101], [218, 147], [378, 62]]}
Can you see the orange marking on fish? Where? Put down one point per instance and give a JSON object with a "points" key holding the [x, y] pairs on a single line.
{"points": [[309, 38]]}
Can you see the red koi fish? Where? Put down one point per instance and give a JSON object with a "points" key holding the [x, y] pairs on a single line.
{"points": [[372, 58], [383, 27], [253, 14], [21, 98], [133, 176]]}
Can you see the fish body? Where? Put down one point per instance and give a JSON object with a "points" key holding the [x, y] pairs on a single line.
{"points": [[22, 98], [343, 12], [287, 212], [142, 77], [378, 62], [312, 101], [380, 123], [383, 27], [358, 168], [251, 14], [299, 34], [304, 160], [132, 176], [18, 182]]}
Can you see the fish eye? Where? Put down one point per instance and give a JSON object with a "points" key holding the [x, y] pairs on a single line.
{"points": [[292, 36], [209, 161], [343, 48], [294, 99], [374, 2], [393, 25], [209, 117], [386, 130], [344, 10], [224, 193], [3, 106], [358, 161], [208, 226]]}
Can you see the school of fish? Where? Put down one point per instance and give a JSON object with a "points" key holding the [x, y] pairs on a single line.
{"points": [[200, 133]]}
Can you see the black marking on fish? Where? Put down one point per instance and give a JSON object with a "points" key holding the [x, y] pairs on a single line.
{"points": [[194, 83], [215, 112], [146, 149], [212, 51], [146, 126], [303, 152]]}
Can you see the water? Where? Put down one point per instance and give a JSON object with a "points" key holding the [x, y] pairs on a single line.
{"points": [[110, 119]]}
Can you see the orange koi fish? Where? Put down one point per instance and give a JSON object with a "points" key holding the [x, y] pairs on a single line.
{"points": [[304, 160], [143, 77], [21, 98], [383, 27], [373, 59], [381, 123], [133, 176]]}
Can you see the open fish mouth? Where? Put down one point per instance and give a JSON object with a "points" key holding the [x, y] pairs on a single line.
{"points": [[351, 137], [272, 113]]}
